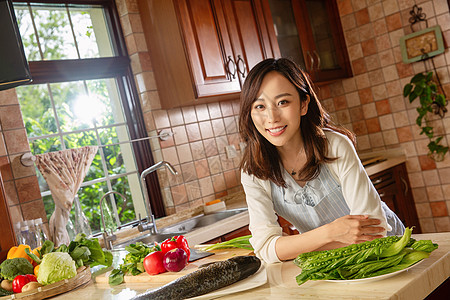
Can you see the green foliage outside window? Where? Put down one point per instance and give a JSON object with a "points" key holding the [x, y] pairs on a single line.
{"points": [[40, 120]]}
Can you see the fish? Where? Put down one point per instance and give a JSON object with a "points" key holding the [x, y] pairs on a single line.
{"points": [[205, 280]]}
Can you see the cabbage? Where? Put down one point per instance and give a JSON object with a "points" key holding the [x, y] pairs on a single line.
{"points": [[56, 266]]}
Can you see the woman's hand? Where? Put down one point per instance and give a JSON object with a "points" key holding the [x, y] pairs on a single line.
{"points": [[352, 229]]}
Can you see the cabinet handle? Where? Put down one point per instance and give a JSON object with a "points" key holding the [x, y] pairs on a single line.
{"points": [[318, 59], [406, 185], [230, 60], [243, 66], [377, 181], [311, 59], [382, 195]]}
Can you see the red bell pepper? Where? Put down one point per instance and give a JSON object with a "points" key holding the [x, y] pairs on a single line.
{"points": [[20, 280], [168, 245], [178, 241], [183, 244]]}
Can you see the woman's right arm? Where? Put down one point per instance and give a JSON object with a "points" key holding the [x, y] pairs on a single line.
{"points": [[263, 220]]}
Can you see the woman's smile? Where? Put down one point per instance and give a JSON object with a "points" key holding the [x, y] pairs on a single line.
{"points": [[276, 131]]}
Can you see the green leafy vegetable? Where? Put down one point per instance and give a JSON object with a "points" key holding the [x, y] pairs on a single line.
{"points": [[239, 242], [133, 263], [47, 247], [33, 256], [116, 277], [398, 246], [368, 259], [88, 252]]}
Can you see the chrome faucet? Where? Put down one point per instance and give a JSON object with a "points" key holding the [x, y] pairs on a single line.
{"points": [[151, 224], [108, 239]]}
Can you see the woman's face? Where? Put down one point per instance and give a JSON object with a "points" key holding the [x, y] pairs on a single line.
{"points": [[277, 111]]}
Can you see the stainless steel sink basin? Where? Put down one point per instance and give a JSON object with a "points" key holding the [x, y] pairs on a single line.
{"points": [[201, 221]]}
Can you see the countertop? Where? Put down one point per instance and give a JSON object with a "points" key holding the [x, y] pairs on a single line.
{"points": [[415, 283]]}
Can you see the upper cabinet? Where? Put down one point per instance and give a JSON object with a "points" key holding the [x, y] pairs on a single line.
{"points": [[202, 50], [223, 40], [310, 32]]}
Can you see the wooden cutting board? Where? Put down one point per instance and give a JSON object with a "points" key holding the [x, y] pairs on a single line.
{"points": [[60, 287], [166, 277]]}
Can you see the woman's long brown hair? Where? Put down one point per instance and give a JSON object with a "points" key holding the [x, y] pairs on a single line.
{"points": [[260, 157]]}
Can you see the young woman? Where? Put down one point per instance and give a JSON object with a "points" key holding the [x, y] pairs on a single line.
{"points": [[300, 167]]}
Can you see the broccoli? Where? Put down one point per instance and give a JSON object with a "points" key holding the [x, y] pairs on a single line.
{"points": [[10, 268]]}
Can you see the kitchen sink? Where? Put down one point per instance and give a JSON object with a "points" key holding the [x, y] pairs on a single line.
{"points": [[201, 221], [181, 228]]}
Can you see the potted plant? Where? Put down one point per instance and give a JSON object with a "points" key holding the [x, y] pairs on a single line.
{"points": [[423, 86]]}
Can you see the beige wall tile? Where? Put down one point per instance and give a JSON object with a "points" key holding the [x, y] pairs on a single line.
{"points": [[170, 155], [206, 186], [184, 153], [427, 225]]}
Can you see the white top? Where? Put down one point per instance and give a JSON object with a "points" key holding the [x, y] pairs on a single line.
{"points": [[357, 189]]}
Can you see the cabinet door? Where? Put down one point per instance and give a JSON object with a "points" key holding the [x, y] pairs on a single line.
{"points": [[405, 198], [394, 189], [208, 47], [310, 32], [224, 39], [287, 227], [252, 39]]}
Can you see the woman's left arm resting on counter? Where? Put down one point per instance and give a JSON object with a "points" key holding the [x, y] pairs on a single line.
{"points": [[359, 192]]}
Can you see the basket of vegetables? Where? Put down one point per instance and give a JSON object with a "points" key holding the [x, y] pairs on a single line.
{"points": [[48, 271]]}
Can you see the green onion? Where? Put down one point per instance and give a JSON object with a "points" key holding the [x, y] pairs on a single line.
{"points": [[239, 242]]}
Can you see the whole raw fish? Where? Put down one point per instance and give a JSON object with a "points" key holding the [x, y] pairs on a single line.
{"points": [[205, 280]]}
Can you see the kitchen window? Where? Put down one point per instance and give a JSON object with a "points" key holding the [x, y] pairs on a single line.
{"points": [[82, 94]]}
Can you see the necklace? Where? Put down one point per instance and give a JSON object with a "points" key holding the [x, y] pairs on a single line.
{"points": [[296, 160]]}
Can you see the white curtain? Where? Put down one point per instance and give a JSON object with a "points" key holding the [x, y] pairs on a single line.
{"points": [[64, 171]]}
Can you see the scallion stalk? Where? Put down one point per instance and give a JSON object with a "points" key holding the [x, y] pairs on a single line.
{"points": [[239, 242]]}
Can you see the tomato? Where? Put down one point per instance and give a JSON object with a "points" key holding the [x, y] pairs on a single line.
{"points": [[168, 245], [153, 263], [20, 280]]}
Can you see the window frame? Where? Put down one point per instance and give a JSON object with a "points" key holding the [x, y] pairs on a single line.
{"points": [[118, 67]]}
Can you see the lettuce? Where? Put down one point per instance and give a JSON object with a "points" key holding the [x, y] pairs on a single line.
{"points": [[56, 266]]}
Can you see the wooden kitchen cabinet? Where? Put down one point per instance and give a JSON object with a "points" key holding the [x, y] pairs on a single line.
{"points": [[202, 50], [310, 33], [394, 189], [287, 227]]}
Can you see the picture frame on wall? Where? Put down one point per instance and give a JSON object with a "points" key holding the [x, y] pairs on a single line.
{"points": [[422, 44]]}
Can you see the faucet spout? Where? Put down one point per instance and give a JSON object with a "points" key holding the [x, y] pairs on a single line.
{"points": [[108, 239], [151, 224]]}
